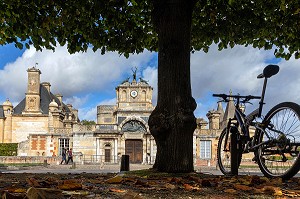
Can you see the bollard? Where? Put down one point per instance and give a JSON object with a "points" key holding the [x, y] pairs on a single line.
{"points": [[124, 163], [45, 163], [73, 165]]}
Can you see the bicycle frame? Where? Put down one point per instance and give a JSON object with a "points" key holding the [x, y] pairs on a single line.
{"points": [[244, 121]]}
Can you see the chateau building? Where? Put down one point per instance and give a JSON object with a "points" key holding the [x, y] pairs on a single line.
{"points": [[121, 128], [43, 125], [40, 123]]}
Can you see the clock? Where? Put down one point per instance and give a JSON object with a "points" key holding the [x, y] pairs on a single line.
{"points": [[133, 93]]}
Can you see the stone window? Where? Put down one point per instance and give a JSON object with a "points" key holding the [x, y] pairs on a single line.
{"points": [[205, 149], [64, 143]]}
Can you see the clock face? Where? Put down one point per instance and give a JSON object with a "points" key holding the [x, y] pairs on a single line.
{"points": [[133, 93]]}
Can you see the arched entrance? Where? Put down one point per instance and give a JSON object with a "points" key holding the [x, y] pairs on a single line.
{"points": [[134, 147]]}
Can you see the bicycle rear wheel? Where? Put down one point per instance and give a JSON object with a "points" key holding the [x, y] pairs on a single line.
{"points": [[278, 154], [224, 153]]}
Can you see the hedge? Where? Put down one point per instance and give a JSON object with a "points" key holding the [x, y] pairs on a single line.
{"points": [[8, 149]]}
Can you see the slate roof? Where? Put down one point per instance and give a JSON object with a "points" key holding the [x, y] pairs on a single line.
{"points": [[46, 98], [106, 107]]}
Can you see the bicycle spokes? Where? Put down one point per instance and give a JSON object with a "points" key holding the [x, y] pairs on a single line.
{"points": [[279, 143]]}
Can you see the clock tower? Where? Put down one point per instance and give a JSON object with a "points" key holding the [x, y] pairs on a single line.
{"points": [[134, 95], [126, 123]]}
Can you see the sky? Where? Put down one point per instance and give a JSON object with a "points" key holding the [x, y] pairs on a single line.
{"points": [[89, 79]]}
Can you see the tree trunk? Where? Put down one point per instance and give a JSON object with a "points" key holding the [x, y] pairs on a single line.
{"points": [[172, 123]]}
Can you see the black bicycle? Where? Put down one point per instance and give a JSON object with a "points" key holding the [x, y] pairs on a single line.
{"points": [[274, 139]]}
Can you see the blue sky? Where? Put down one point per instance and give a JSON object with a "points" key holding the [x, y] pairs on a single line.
{"points": [[89, 79]]}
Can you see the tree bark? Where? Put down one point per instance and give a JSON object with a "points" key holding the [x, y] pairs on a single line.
{"points": [[172, 122]]}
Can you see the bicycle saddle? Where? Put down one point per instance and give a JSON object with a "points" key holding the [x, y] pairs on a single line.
{"points": [[269, 71]]}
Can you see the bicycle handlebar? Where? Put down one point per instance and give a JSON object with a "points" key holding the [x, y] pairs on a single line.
{"points": [[245, 97]]}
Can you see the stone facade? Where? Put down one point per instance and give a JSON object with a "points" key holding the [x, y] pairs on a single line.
{"points": [[43, 125], [121, 128], [39, 121]]}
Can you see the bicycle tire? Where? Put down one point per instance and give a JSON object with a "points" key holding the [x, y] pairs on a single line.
{"points": [[280, 158], [224, 153]]}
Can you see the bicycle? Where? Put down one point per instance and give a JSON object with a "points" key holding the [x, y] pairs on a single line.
{"points": [[276, 139]]}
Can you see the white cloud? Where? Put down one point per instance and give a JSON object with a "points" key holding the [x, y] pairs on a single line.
{"points": [[236, 69], [88, 113], [72, 76], [88, 79], [76, 101], [108, 102], [150, 75]]}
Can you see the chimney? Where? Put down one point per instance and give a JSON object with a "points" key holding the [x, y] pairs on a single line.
{"points": [[47, 85], [214, 119], [59, 96]]}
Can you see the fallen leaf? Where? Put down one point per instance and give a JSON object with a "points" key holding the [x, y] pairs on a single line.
{"points": [[33, 182], [242, 187], [20, 190], [117, 190], [272, 190], [70, 185], [116, 179], [258, 191], [44, 193], [278, 192], [170, 186], [141, 182], [81, 193], [232, 191], [188, 187]]}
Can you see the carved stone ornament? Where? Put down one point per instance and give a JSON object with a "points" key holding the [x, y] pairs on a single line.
{"points": [[133, 126]]}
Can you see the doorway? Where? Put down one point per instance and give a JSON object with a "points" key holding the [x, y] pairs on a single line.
{"points": [[107, 153], [134, 148]]}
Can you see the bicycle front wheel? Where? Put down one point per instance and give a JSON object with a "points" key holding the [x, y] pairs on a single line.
{"points": [[278, 153]]}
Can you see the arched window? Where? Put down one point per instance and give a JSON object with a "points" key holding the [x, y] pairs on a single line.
{"points": [[124, 96], [144, 95]]}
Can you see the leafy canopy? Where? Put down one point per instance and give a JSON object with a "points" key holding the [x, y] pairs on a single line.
{"points": [[126, 26], [88, 122]]}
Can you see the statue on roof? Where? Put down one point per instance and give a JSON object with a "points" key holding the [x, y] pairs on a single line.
{"points": [[134, 73], [144, 81]]}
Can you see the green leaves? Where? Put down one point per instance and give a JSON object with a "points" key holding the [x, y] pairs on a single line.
{"points": [[126, 26]]}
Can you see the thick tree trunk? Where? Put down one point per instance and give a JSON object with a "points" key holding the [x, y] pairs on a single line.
{"points": [[172, 123]]}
